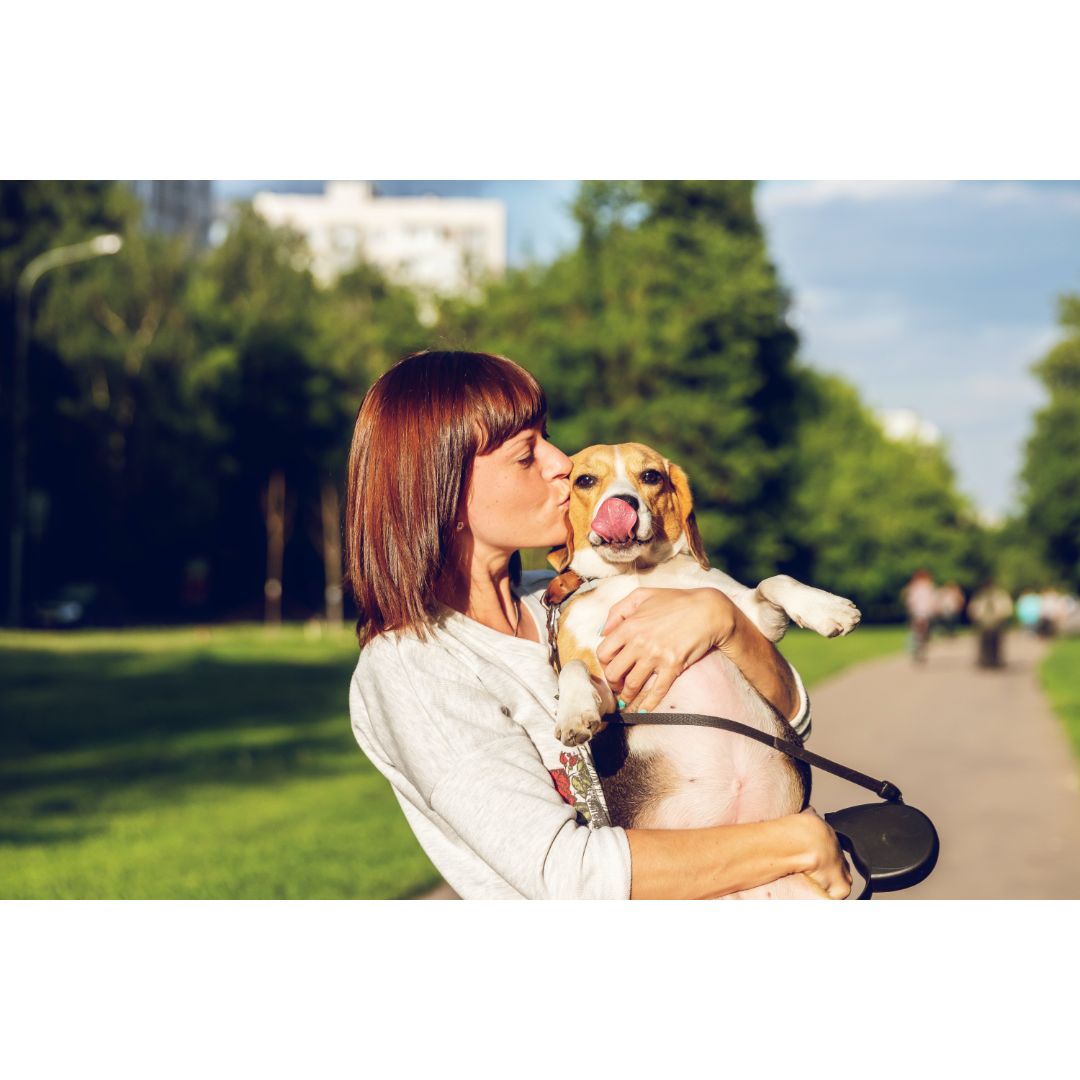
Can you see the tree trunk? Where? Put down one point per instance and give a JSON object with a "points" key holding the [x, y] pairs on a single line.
{"points": [[331, 531], [275, 545]]}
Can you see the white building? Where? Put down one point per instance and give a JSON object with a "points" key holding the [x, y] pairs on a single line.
{"points": [[437, 245]]}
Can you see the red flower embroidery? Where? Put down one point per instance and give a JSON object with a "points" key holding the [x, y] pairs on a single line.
{"points": [[569, 760], [562, 784]]}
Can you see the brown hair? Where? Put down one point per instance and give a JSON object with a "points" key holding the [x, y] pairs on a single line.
{"points": [[417, 432]]}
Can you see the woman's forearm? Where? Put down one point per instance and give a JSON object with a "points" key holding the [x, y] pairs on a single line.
{"points": [[758, 659], [699, 864]]}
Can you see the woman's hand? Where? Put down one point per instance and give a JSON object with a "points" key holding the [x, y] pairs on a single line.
{"points": [[653, 635], [828, 868]]}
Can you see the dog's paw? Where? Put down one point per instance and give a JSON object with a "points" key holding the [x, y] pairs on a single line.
{"points": [[577, 727], [826, 614]]}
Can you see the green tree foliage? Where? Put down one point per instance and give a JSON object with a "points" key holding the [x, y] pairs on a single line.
{"points": [[665, 326], [1051, 474], [168, 385], [36, 216], [868, 511]]}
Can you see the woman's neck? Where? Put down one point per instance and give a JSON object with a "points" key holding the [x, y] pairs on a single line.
{"points": [[483, 591]]}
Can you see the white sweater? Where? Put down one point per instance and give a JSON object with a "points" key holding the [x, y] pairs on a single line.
{"points": [[462, 728]]}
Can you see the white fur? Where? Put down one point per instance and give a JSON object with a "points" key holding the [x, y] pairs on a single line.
{"points": [[720, 777]]}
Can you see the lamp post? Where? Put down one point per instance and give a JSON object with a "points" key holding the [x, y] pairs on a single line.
{"points": [[107, 244]]}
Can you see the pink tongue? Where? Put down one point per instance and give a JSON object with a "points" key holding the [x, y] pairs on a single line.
{"points": [[615, 520]]}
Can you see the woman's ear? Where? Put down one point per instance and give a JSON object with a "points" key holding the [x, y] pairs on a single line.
{"points": [[685, 504]]}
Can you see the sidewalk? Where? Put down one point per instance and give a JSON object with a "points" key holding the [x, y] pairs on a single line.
{"points": [[981, 752]]}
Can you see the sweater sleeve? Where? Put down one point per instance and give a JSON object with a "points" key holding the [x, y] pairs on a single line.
{"points": [[500, 800], [446, 744]]}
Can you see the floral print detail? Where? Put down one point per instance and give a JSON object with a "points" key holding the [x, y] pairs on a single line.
{"points": [[562, 784], [573, 783]]}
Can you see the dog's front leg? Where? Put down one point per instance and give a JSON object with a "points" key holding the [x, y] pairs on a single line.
{"points": [[823, 612], [583, 699]]}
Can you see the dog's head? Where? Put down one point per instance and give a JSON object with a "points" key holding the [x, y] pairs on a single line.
{"points": [[629, 506]]}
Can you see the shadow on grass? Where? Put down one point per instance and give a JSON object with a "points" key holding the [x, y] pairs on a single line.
{"points": [[60, 702], [87, 735]]}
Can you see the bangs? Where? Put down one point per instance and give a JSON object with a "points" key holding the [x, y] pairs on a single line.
{"points": [[503, 399]]}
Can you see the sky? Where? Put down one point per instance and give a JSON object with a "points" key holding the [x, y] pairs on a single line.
{"points": [[931, 296]]}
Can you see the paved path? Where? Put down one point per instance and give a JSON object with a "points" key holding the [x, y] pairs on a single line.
{"points": [[979, 751]]}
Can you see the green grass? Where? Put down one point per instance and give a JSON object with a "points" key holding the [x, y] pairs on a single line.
{"points": [[816, 658], [192, 764], [1060, 674], [215, 763]]}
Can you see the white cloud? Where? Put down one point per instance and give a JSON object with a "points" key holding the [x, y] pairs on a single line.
{"points": [[779, 194], [817, 192], [1011, 193]]}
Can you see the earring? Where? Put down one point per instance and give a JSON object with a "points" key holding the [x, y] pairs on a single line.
{"points": [[460, 525]]}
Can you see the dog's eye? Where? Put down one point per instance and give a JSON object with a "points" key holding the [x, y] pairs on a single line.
{"points": [[651, 476], [585, 480]]}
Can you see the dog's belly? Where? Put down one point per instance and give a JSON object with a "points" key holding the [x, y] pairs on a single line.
{"points": [[685, 777]]}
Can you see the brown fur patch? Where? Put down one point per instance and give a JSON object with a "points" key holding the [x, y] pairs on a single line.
{"points": [[633, 784]]}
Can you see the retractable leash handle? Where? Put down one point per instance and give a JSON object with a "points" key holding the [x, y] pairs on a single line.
{"points": [[892, 845]]}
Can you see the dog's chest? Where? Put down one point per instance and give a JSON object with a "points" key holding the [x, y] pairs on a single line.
{"points": [[585, 616]]}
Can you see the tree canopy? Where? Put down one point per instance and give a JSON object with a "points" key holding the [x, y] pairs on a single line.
{"points": [[174, 390]]}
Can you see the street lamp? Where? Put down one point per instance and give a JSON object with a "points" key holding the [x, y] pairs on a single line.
{"points": [[107, 244]]}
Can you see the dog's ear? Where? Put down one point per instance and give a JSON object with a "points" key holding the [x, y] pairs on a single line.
{"points": [[685, 504], [560, 556]]}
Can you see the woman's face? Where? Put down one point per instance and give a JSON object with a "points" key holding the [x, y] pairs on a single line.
{"points": [[519, 494]]}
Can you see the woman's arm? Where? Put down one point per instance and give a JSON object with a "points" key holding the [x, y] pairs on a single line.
{"points": [[656, 634], [701, 864]]}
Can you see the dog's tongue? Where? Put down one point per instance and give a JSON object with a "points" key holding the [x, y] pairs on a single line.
{"points": [[615, 520]]}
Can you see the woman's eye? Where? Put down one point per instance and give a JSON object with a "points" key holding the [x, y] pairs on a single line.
{"points": [[526, 461], [585, 480]]}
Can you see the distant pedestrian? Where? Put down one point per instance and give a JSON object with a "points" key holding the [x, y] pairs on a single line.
{"points": [[950, 606], [1029, 610], [990, 609], [920, 599]]}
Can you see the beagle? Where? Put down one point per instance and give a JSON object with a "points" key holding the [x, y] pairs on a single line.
{"points": [[632, 524]]}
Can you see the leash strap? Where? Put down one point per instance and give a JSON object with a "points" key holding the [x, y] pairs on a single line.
{"points": [[884, 789]]}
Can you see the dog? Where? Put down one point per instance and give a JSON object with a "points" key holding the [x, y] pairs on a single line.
{"points": [[632, 524]]}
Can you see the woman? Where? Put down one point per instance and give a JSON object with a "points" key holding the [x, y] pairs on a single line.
{"points": [[453, 698]]}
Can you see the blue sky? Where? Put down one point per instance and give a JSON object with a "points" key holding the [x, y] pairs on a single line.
{"points": [[934, 296]]}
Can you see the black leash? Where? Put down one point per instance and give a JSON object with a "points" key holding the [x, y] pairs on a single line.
{"points": [[884, 789]]}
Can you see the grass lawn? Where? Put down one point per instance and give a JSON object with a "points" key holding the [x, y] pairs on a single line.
{"points": [[215, 764], [192, 764], [1060, 674], [816, 658]]}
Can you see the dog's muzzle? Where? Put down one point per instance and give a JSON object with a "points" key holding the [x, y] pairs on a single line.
{"points": [[616, 522]]}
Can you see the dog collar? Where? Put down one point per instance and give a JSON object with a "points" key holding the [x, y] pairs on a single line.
{"points": [[559, 590]]}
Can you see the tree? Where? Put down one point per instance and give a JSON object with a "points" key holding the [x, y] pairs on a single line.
{"points": [[869, 511], [667, 326], [36, 216], [1051, 472]]}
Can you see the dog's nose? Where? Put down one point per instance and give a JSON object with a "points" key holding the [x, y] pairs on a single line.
{"points": [[630, 500]]}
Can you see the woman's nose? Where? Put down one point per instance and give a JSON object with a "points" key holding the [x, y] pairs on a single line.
{"points": [[560, 463]]}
